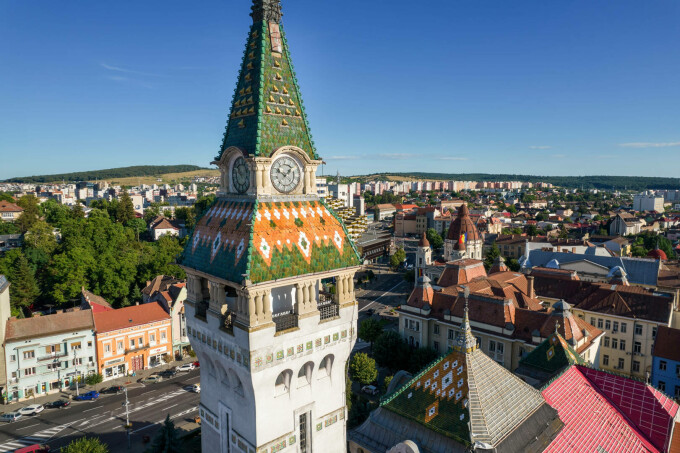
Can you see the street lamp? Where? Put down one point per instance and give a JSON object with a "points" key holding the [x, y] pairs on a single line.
{"points": [[75, 364], [127, 416]]}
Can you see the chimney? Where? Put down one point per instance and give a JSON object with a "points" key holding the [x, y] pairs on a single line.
{"points": [[559, 248], [573, 250], [530, 280]]}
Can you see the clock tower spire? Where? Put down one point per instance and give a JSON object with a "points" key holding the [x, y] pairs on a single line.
{"points": [[271, 311]]}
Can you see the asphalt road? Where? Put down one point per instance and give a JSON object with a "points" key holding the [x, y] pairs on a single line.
{"points": [[105, 418], [390, 289]]}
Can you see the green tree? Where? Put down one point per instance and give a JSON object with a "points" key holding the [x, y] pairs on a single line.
{"points": [[126, 209], [41, 237], [419, 358], [138, 226], [391, 351], [86, 445], [511, 209], [186, 215], [6, 196], [491, 255], [9, 228], [387, 381], [94, 379], [202, 204], [362, 368], [167, 439], [31, 212], [532, 230], [398, 258], [370, 329], [24, 289], [434, 238], [150, 213]]}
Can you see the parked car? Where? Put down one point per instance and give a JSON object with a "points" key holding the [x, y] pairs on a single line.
{"points": [[369, 312], [185, 367], [370, 389], [89, 396], [196, 364], [58, 404], [196, 388], [153, 379], [10, 417], [169, 373], [33, 409], [35, 448], [115, 389]]}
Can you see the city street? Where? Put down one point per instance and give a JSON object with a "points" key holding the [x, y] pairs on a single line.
{"points": [[387, 289], [105, 417]]}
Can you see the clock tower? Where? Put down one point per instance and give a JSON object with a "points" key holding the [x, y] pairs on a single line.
{"points": [[271, 311]]}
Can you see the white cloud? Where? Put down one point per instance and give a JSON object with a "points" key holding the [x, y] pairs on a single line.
{"points": [[649, 145], [341, 157], [451, 158], [396, 156], [540, 147]]}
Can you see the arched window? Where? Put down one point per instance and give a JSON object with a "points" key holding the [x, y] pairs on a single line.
{"points": [[235, 382], [224, 377], [326, 366], [305, 374], [283, 382]]}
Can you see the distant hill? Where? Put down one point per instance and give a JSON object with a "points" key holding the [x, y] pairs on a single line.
{"points": [[109, 174], [636, 183]]}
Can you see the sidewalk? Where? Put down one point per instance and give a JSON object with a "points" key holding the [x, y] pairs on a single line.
{"points": [[126, 381]]}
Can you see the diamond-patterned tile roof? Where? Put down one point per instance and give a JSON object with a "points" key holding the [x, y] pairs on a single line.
{"points": [[552, 355], [267, 111], [257, 241], [468, 397]]}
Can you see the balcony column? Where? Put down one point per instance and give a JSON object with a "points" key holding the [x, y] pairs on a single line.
{"points": [[266, 307], [311, 291], [256, 314], [339, 289], [193, 288], [300, 305], [351, 287]]}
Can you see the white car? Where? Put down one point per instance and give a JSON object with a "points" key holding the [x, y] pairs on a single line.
{"points": [[370, 389], [33, 409], [185, 367], [196, 388], [10, 417]]}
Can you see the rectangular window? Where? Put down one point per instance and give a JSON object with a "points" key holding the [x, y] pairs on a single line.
{"points": [[75, 345], [89, 344], [622, 345], [163, 336], [417, 326], [654, 332], [599, 323], [638, 329], [662, 365], [107, 348], [622, 364], [120, 346], [152, 338], [29, 371], [623, 327], [662, 386], [436, 329], [479, 341], [606, 342], [29, 354], [132, 343], [608, 325], [605, 360], [451, 334], [637, 347], [436, 346], [592, 321], [78, 361], [141, 342], [636, 366], [615, 343], [616, 327], [12, 358]]}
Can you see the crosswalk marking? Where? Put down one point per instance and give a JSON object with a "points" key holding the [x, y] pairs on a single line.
{"points": [[41, 436]]}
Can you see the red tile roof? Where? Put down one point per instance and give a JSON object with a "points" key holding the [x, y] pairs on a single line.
{"points": [[591, 422], [19, 329], [6, 206], [134, 315]]}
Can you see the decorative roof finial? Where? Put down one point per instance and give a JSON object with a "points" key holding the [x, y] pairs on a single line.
{"points": [[266, 10], [467, 342], [557, 326]]}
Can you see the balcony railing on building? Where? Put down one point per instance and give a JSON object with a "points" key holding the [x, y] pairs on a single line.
{"points": [[285, 320], [327, 307], [52, 356]]}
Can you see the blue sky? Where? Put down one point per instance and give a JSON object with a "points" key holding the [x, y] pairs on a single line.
{"points": [[540, 87]]}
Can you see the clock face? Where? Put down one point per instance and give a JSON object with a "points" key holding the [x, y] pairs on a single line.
{"points": [[285, 174], [240, 175]]}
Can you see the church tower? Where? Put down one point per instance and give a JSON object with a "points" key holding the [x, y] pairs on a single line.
{"points": [[463, 239], [271, 312], [423, 255]]}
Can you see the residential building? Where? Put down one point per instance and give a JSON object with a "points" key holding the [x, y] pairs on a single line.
{"points": [[9, 212], [11, 241], [170, 293], [161, 226], [648, 201], [665, 373], [373, 247], [505, 315], [384, 211], [625, 224], [630, 316], [132, 339], [272, 342], [464, 399], [5, 314], [45, 354]]}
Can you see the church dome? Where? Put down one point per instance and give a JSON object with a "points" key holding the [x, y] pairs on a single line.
{"points": [[462, 229], [657, 254], [423, 241]]}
